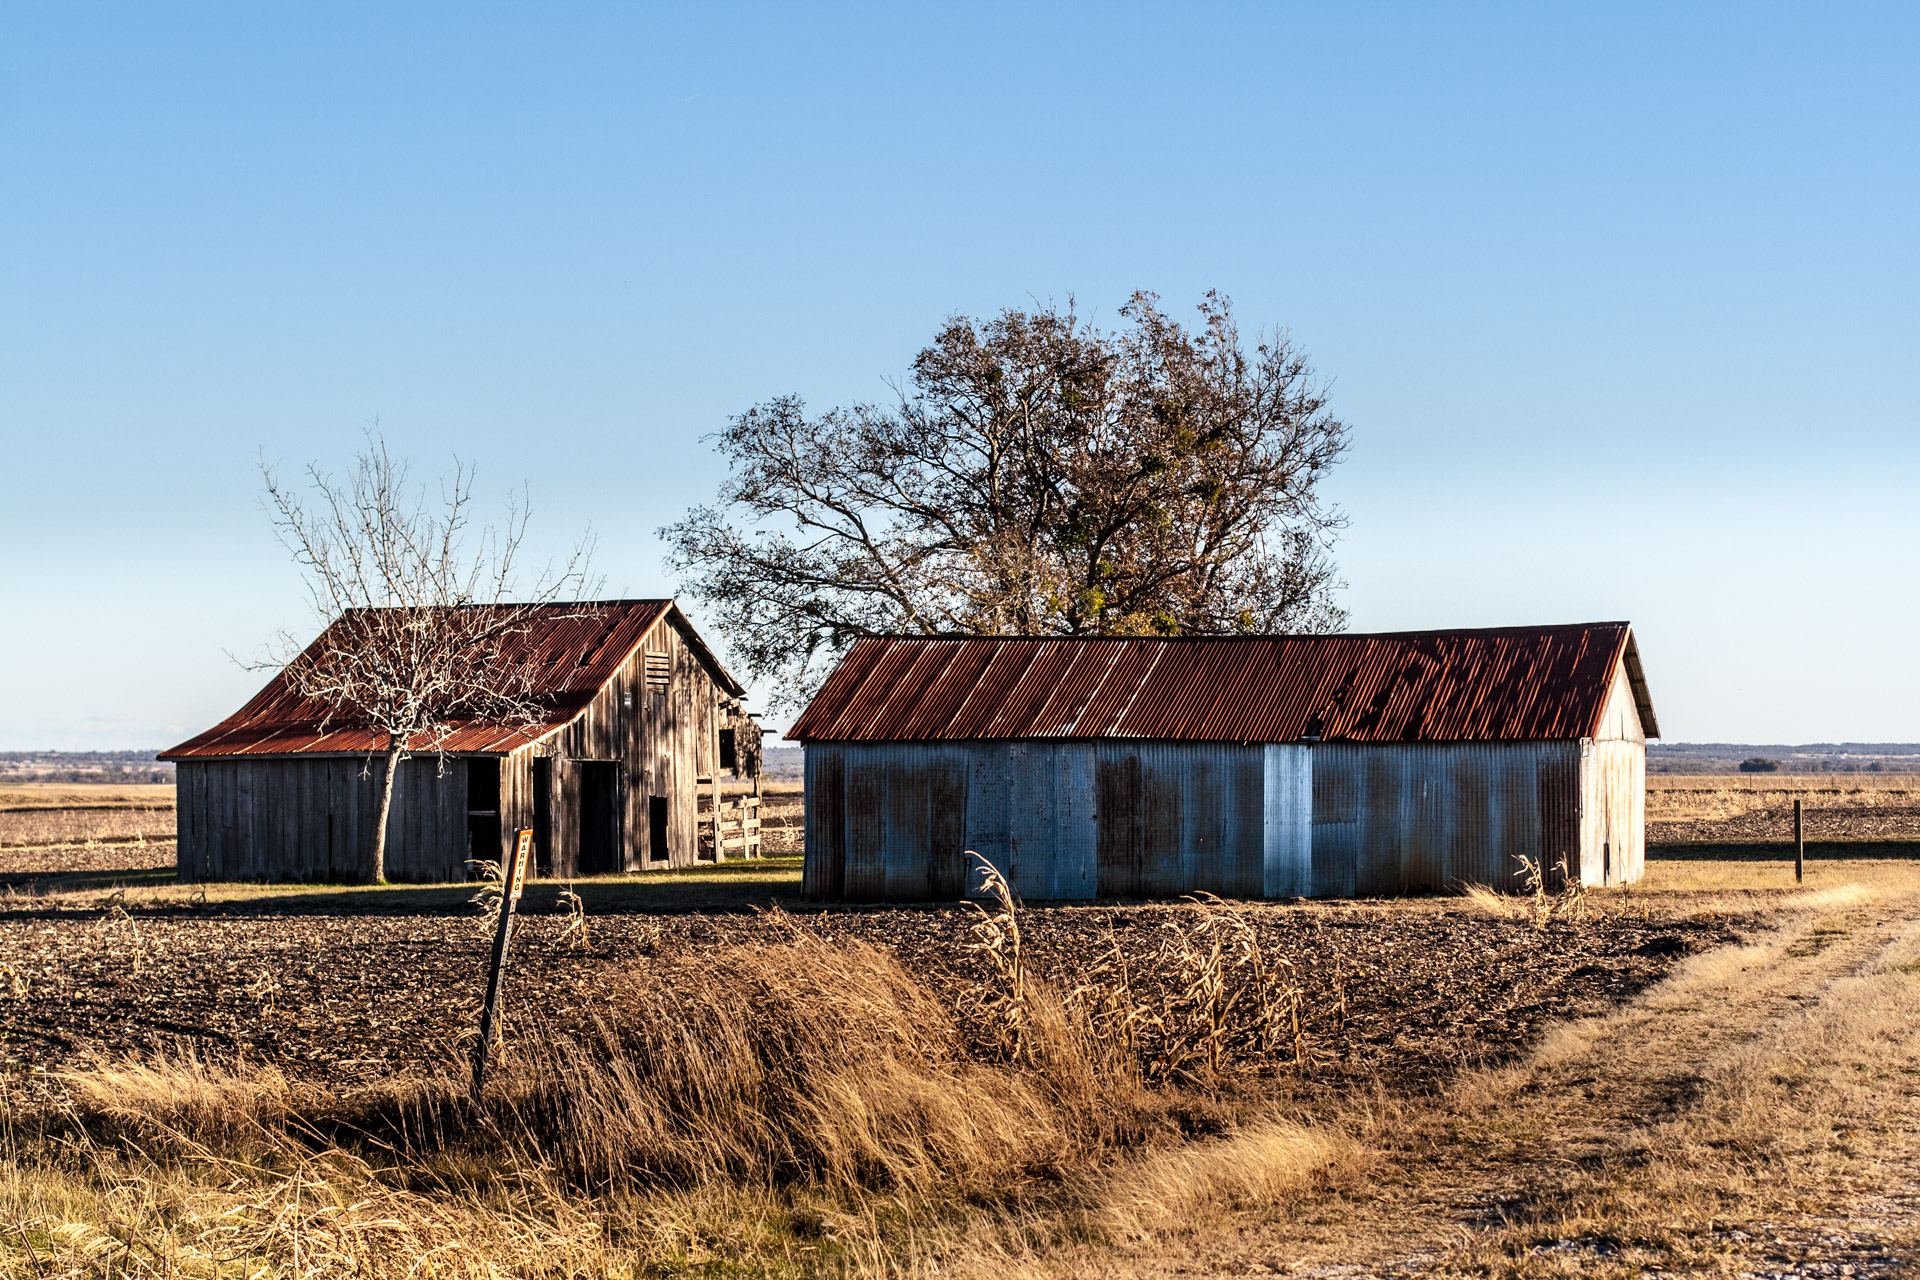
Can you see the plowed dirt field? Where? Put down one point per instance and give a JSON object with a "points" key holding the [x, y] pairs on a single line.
{"points": [[1406, 992]]}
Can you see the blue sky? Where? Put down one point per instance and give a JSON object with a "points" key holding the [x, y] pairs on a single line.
{"points": [[1620, 301]]}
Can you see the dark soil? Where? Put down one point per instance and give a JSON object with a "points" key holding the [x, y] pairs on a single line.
{"points": [[1773, 824], [1404, 993], [97, 857]]}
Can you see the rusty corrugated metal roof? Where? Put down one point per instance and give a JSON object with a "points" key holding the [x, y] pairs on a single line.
{"points": [[1507, 683], [578, 647]]}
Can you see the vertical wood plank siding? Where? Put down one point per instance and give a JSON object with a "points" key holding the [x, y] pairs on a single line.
{"points": [[1613, 839], [889, 820], [664, 741], [311, 818]]}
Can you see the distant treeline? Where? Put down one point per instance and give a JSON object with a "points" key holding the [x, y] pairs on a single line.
{"points": [[786, 762], [83, 766], [1806, 757]]}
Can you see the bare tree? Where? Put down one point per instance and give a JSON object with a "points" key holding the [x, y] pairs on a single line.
{"points": [[1039, 476], [419, 610]]}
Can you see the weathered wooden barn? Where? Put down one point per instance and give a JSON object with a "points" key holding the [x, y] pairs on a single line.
{"points": [[1276, 766], [642, 723]]}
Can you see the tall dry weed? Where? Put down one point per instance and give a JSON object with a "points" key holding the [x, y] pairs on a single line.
{"points": [[1223, 999], [1546, 897], [1002, 1005], [1567, 902], [799, 1063]]}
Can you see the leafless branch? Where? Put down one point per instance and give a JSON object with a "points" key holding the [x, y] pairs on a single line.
{"points": [[419, 610]]}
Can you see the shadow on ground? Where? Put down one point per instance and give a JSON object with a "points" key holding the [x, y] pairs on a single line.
{"points": [[1817, 851], [730, 886]]}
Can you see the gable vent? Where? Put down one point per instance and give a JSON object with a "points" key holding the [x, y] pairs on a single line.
{"points": [[659, 667]]}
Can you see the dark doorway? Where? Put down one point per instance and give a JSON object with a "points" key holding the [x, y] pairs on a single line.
{"points": [[599, 817], [543, 814], [656, 828], [483, 810], [729, 756]]}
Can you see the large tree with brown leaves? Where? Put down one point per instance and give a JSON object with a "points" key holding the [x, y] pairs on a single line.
{"points": [[1037, 475]]}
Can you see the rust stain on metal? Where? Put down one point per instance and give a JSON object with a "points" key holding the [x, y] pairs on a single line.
{"points": [[577, 648], [1497, 684]]}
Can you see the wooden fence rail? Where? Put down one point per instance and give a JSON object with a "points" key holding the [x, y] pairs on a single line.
{"points": [[730, 824]]}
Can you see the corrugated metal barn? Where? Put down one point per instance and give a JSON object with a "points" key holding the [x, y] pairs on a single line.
{"points": [[639, 715], [1275, 766]]}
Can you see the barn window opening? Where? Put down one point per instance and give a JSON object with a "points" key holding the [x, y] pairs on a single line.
{"points": [[729, 755], [659, 668]]}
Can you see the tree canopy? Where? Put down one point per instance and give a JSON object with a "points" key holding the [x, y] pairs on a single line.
{"points": [[1036, 475]]}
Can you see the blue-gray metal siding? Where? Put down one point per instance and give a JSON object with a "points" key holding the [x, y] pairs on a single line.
{"points": [[1417, 817], [1078, 819]]}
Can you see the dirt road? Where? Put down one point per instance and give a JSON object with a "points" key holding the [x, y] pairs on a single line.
{"points": [[1752, 1115]]}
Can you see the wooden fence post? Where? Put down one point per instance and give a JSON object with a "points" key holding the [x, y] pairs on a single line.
{"points": [[1799, 847], [513, 882]]}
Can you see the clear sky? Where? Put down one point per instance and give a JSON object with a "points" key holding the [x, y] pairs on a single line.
{"points": [[1622, 302]]}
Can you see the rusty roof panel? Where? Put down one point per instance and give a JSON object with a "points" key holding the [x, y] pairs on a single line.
{"points": [[1087, 667], [578, 647], [1510, 683], [958, 673]]}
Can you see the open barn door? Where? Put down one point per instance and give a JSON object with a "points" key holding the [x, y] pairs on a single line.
{"points": [[599, 817]]}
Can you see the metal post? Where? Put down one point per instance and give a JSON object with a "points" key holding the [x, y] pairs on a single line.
{"points": [[513, 881], [1799, 847]]}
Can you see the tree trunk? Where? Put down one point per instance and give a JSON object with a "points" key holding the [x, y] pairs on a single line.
{"points": [[379, 870]]}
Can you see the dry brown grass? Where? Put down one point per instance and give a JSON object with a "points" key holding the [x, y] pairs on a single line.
{"points": [[61, 828], [810, 1107], [1828, 783], [1762, 883], [791, 1106], [44, 827], [73, 795], [1178, 1190], [810, 1062]]}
